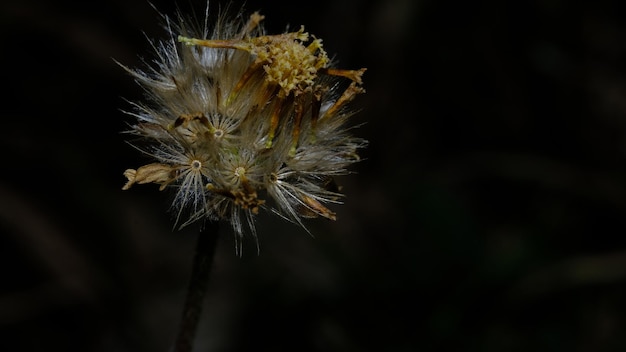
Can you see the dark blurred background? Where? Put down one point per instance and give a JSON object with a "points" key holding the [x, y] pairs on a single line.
{"points": [[489, 213]]}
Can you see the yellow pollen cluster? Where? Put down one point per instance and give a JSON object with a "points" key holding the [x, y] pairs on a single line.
{"points": [[285, 59], [287, 62]]}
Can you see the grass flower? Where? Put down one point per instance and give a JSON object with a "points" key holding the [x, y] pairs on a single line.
{"points": [[238, 121]]}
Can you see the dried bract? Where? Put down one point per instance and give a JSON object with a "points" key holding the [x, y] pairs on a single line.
{"points": [[238, 121]]}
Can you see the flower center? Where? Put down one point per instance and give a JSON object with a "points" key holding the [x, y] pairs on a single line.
{"points": [[240, 171], [218, 133], [196, 165]]}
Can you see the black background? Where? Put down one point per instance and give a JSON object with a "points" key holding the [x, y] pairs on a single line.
{"points": [[488, 213]]}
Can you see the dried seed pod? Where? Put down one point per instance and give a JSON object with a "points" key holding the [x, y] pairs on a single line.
{"points": [[239, 121]]}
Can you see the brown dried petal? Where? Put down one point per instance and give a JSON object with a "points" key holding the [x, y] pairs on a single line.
{"points": [[152, 173]]}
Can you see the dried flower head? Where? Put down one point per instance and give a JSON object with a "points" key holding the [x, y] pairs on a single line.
{"points": [[238, 121]]}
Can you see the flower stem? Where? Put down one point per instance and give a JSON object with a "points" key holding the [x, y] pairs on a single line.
{"points": [[198, 283]]}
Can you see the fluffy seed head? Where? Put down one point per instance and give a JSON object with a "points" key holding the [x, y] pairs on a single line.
{"points": [[237, 121]]}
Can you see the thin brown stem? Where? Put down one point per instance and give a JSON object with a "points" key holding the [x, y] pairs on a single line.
{"points": [[198, 283]]}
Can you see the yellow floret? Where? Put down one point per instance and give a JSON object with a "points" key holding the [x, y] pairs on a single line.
{"points": [[287, 62]]}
